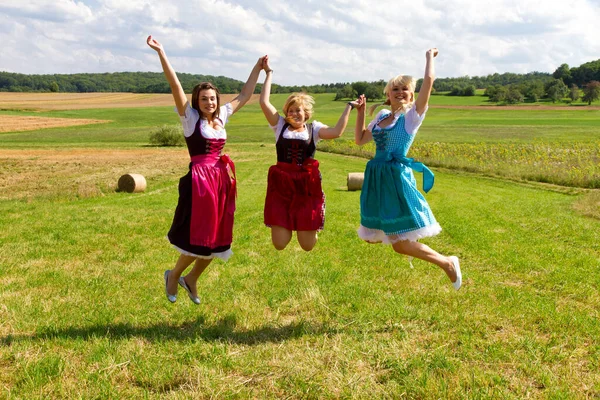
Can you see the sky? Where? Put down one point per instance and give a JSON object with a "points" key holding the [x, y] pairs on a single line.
{"points": [[308, 41]]}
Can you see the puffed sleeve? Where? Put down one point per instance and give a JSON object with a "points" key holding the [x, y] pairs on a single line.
{"points": [[189, 120], [316, 127], [412, 120], [225, 112]]}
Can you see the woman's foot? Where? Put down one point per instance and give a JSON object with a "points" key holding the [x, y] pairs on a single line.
{"points": [[171, 297], [454, 272], [192, 294]]}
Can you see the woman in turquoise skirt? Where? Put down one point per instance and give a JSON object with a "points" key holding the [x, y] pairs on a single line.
{"points": [[392, 210]]}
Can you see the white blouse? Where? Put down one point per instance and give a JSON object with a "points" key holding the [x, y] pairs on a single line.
{"points": [[412, 120], [303, 135], [192, 116]]}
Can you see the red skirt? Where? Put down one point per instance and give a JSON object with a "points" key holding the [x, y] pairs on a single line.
{"points": [[295, 198]]}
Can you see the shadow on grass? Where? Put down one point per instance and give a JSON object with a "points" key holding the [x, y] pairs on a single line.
{"points": [[222, 330]]}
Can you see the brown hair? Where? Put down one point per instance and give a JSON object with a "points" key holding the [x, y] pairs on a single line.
{"points": [[400, 80], [196, 95], [301, 99]]}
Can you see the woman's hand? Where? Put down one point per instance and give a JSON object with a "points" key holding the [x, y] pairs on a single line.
{"points": [[360, 103], [431, 53], [154, 44], [261, 62], [265, 64]]}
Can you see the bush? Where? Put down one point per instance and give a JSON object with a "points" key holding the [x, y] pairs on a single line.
{"points": [[168, 135]]}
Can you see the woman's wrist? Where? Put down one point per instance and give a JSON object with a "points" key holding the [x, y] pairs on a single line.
{"points": [[351, 105], [271, 70]]}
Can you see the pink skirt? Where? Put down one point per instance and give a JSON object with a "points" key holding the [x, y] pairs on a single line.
{"points": [[295, 198], [203, 222]]}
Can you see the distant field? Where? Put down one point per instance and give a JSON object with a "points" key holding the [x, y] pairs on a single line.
{"points": [[15, 123], [76, 101]]}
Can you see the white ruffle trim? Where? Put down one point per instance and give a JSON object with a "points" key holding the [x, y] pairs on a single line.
{"points": [[379, 236], [223, 255]]}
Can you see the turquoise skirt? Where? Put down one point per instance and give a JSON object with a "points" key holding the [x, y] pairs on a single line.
{"points": [[391, 203]]}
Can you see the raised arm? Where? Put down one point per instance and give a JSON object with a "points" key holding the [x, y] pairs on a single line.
{"points": [[361, 134], [248, 88], [176, 89], [425, 91], [268, 109], [327, 132]]}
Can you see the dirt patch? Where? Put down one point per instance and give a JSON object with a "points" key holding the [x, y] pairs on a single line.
{"points": [[81, 173], [77, 101], [14, 123]]}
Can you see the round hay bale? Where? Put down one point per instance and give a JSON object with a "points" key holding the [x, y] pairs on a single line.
{"points": [[355, 180], [132, 183]]}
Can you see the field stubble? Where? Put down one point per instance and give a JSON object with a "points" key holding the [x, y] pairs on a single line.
{"points": [[81, 173]]}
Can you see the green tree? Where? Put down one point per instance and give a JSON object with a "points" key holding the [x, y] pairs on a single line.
{"points": [[533, 91], [373, 92], [556, 90], [591, 92], [496, 93], [564, 73], [574, 93], [469, 90], [347, 92], [360, 87], [514, 95]]}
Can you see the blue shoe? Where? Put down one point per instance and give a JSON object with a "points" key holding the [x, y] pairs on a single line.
{"points": [[456, 284], [194, 299], [171, 297]]}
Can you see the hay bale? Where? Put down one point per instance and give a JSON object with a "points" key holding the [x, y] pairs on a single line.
{"points": [[132, 183], [355, 180]]}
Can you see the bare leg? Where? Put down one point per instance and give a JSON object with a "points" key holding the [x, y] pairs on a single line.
{"points": [[182, 263], [191, 279], [426, 253], [307, 239], [280, 237]]}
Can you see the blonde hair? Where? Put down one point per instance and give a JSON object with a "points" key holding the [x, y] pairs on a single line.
{"points": [[400, 80], [300, 99]]}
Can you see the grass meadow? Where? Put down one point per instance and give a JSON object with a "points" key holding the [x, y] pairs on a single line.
{"points": [[83, 312]]}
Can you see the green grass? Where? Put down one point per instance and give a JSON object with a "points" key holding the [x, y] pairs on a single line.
{"points": [[83, 312], [443, 99]]}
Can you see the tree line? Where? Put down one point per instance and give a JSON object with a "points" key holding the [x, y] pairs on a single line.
{"points": [[135, 82], [564, 84], [570, 83]]}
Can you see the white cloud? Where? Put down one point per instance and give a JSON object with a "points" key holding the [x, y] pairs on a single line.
{"points": [[308, 41]]}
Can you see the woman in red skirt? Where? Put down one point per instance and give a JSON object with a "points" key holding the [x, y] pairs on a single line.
{"points": [[295, 200], [203, 223]]}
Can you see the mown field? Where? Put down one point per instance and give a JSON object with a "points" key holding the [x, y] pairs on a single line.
{"points": [[82, 306]]}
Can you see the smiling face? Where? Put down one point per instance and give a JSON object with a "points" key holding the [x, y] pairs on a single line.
{"points": [[298, 109], [205, 100], [400, 92], [296, 116], [400, 96]]}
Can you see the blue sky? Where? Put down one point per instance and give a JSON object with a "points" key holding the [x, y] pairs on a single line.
{"points": [[308, 41]]}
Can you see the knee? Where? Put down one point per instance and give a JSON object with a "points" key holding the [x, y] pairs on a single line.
{"points": [[279, 246], [401, 247], [308, 246], [307, 241]]}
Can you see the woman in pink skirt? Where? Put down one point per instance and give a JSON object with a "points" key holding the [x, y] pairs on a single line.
{"points": [[203, 223], [295, 200]]}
